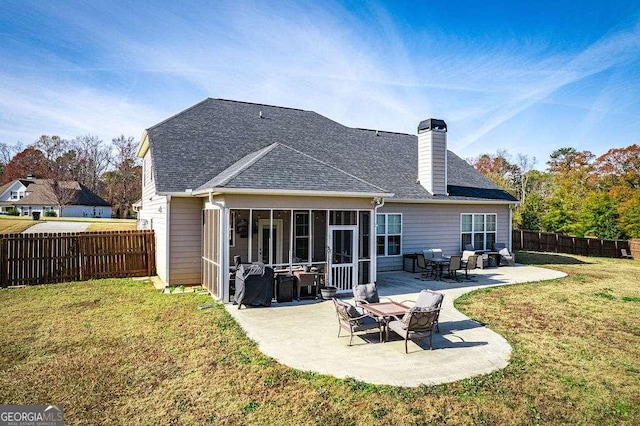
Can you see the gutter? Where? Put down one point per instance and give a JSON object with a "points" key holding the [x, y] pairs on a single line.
{"points": [[306, 193], [449, 201]]}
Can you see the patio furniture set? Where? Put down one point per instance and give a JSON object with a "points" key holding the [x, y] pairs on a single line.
{"points": [[370, 313], [432, 263]]}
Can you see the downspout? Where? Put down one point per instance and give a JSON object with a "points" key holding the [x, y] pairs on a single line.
{"points": [[377, 202], [510, 227]]}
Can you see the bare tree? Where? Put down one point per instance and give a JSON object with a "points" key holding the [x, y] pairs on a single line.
{"points": [[525, 165], [64, 191], [94, 158]]}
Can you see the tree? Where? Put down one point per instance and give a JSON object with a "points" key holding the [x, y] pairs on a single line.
{"points": [[497, 168], [93, 159], [123, 186], [619, 167], [30, 161], [64, 191]]}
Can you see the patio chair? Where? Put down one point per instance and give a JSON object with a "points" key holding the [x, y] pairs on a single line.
{"points": [[430, 300], [353, 321], [416, 324], [472, 263], [625, 254], [366, 293], [455, 265], [428, 269]]}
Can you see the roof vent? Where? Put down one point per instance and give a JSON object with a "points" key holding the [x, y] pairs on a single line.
{"points": [[377, 133], [261, 114]]}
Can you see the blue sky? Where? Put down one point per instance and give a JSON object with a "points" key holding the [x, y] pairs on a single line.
{"points": [[525, 77]]}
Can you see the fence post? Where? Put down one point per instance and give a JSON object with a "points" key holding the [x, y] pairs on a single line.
{"points": [[4, 273]]}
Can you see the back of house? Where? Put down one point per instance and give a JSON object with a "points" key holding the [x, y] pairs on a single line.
{"points": [[288, 187]]}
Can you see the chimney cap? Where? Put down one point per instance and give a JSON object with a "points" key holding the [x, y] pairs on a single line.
{"points": [[432, 124]]}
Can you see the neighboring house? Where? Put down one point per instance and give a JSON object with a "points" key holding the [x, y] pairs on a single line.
{"points": [[290, 187], [37, 195]]}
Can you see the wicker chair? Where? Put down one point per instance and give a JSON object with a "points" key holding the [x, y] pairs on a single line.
{"points": [[353, 321], [416, 324]]}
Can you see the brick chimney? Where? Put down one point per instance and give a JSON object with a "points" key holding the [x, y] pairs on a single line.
{"points": [[432, 156]]}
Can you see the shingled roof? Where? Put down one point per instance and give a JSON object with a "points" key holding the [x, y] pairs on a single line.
{"points": [[220, 143], [39, 192]]}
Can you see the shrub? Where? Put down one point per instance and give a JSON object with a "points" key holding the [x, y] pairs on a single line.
{"points": [[12, 211], [50, 213]]}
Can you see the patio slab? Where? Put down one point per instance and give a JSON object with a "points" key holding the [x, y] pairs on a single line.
{"points": [[303, 334]]}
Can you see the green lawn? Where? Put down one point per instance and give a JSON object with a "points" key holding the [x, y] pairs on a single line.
{"points": [[16, 224], [119, 352]]}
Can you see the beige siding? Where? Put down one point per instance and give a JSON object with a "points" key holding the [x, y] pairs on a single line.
{"points": [[437, 226], [284, 202], [185, 241]]}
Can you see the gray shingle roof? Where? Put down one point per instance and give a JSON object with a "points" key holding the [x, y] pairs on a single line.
{"points": [[227, 144]]}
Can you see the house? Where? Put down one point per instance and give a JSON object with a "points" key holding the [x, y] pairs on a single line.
{"points": [[290, 187], [32, 195]]}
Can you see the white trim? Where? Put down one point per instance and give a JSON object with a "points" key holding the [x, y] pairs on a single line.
{"points": [[167, 233], [510, 228], [386, 234]]}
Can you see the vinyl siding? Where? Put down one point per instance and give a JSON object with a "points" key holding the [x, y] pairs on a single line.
{"points": [[152, 215], [185, 241], [437, 226]]}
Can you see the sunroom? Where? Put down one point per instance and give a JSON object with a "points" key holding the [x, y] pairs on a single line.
{"points": [[339, 242]]}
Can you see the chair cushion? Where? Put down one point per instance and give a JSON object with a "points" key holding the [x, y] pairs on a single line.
{"points": [[504, 252], [366, 292], [429, 299], [366, 323], [466, 254]]}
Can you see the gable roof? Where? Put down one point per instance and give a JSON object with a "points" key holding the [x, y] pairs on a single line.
{"points": [[293, 171], [39, 192], [229, 144]]}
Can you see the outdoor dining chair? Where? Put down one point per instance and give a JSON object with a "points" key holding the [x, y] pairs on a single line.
{"points": [[415, 325], [427, 268], [351, 320], [429, 300], [455, 265], [366, 293], [472, 263]]}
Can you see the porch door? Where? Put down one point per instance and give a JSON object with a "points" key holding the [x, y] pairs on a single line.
{"points": [[343, 256], [264, 240]]}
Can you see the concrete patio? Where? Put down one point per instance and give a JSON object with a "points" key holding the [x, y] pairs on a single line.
{"points": [[303, 334]]}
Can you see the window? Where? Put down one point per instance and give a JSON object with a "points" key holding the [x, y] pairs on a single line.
{"points": [[388, 234], [478, 229], [17, 195]]}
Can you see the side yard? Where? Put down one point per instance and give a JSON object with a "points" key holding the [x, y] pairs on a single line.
{"points": [[16, 224], [118, 351]]}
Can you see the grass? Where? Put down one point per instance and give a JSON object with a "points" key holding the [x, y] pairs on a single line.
{"points": [[117, 351], [15, 224]]}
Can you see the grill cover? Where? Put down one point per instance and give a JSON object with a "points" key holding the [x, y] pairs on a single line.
{"points": [[254, 285]]}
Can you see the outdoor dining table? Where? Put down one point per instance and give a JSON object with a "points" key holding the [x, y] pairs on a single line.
{"points": [[439, 263], [384, 311]]}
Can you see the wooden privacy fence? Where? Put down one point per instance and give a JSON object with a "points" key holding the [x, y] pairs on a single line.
{"points": [[27, 259], [558, 243]]}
